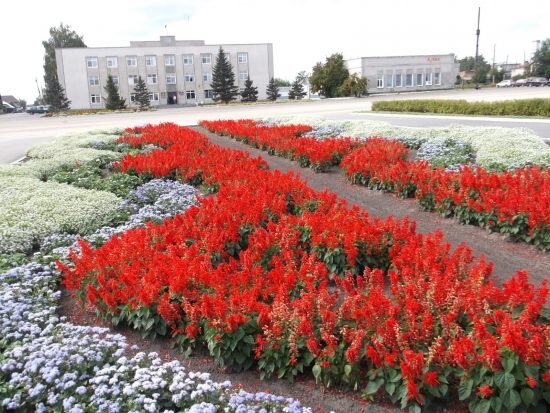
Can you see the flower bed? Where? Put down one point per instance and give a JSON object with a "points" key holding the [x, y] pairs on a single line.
{"points": [[271, 272], [284, 140], [495, 148], [48, 365], [514, 203]]}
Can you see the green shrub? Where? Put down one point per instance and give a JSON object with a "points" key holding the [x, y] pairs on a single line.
{"points": [[524, 107]]}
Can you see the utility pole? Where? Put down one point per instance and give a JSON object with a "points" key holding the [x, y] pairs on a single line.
{"points": [[494, 53], [476, 67]]}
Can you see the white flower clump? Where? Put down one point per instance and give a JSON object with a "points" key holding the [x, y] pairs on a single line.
{"points": [[496, 147], [69, 149], [32, 209]]}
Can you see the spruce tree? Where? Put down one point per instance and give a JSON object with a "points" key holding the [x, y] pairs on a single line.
{"points": [[272, 91], [250, 93], [113, 100], [223, 79], [297, 89], [54, 95], [142, 94]]}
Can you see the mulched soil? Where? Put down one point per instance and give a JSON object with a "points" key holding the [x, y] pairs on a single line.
{"points": [[507, 257]]}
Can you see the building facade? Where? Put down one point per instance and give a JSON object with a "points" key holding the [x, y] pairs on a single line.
{"points": [[175, 71], [406, 73]]}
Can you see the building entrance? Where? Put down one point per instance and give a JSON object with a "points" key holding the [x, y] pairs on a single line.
{"points": [[172, 98]]}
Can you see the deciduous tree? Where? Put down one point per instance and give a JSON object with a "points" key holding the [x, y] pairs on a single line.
{"points": [[327, 78]]}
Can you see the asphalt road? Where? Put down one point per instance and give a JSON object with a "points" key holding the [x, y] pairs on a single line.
{"points": [[20, 131]]}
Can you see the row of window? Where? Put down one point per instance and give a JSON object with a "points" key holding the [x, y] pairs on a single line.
{"points": [[169, 60], [422, 79], [154, 96], [152, 78]]}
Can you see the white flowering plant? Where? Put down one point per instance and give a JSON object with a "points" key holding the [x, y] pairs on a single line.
{"points": [[495, 148]]}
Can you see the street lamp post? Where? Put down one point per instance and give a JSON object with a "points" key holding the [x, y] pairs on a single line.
{"points": [[476, 65]]}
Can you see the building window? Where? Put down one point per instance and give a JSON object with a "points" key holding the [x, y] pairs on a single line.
{"points": [[95, 98], [187, 59], [93, 80], [242, 57], [389, 80], [409, 80], [132, 98], [91, 62], [170, 79], [115, 80], [170, 60], [428, 78], [189, 77], [132, 79], [131, 61], [208, 94], [437, 78], [190, 94], [207, 76], [150, 60], [419, 77], [206, 59], [380, 80], [152, 79], [154, 97], [398, 80], [112, 61], [243, 75]]}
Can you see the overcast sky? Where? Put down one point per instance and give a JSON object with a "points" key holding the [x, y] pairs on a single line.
{"points": [[302, 31]]}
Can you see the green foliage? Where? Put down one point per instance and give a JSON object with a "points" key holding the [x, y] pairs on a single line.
{"points": [[94, 175], [223, 79], [482, 68], [524, 107], [250, 93], [60, 37], [13, 260], [327, 78], [233, 349], [297, 89], [54, 95], [541, 61], [142, 94], [281, 82], [113, 100], [272, 91], [354, 85]]}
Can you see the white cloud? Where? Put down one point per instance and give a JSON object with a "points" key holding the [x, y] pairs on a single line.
{"points": [[302, 31]]}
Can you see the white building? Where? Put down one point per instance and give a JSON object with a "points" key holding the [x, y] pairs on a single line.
{"points": [[406, 73], [176, 71]]}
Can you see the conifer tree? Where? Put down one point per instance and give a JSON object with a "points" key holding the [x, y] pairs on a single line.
{"points": [[142, 94], [113, 100], [250, 93], [297, 88], [223, 79], [54, 95], [272, 91]]}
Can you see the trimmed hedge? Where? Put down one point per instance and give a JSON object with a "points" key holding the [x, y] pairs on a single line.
{"points": [[524, 107]]}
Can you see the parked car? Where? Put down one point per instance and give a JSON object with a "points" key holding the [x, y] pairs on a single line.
{"points": [[520, 82], [38, 109], [506, 83], [537, 81]]}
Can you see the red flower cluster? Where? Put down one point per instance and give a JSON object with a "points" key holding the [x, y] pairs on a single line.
{"points": [[285, 141], [515, 203], [270, 263]]}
